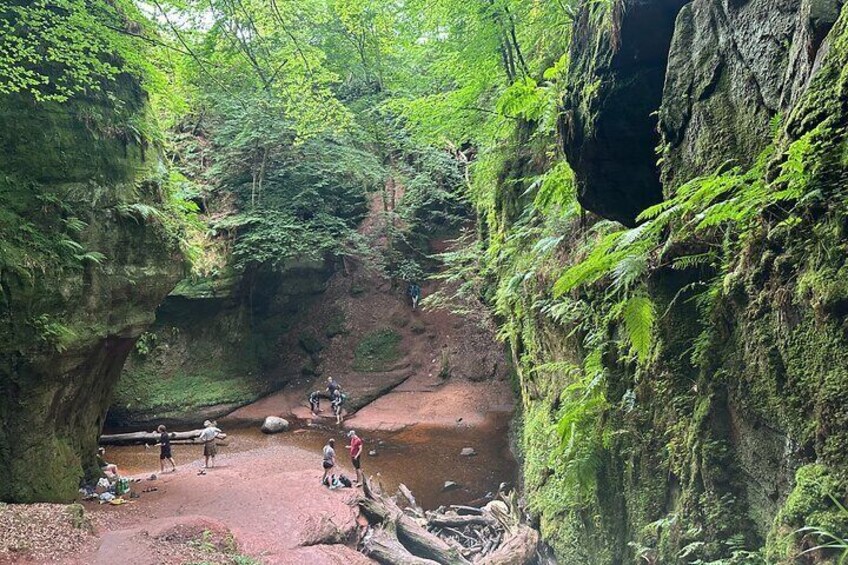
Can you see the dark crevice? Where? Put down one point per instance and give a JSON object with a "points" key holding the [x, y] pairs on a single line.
{"points": [[612, 146]]}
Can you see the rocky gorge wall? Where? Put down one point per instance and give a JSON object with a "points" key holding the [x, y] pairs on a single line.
{"points": [[216, 345], [89, 249], [728, 436]]}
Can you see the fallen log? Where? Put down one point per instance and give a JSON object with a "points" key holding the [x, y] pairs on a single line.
{"points": [[519, 548], [139, 438], [383, 546], [448, 536], [410, 533], [218, 442]]}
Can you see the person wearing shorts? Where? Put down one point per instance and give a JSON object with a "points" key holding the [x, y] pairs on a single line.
{"points": [[165, 450], [329, 458], [355, 448], [208, 436]]}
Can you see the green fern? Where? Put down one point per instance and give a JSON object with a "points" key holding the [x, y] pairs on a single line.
{"points": [[139, 212], [638, 317]]}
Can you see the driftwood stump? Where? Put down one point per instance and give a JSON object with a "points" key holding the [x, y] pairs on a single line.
{"points": [[518, 549], [458, 535], [410, 533]]}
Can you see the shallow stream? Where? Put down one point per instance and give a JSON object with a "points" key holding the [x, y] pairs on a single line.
{"points": [[423, 458]]}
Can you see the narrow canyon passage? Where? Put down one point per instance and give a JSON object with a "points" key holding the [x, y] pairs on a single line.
{"points": [[574, 272]]}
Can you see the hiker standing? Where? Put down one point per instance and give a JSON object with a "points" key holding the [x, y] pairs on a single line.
{"points": [[336, 403], [329, 458], [414, 292], [355, 448], [208, 437], [165, 450]]}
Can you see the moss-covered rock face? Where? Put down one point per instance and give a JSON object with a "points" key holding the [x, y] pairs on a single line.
{"points": [[215, 346], [731, 436], [82, 272], [733, 67]]}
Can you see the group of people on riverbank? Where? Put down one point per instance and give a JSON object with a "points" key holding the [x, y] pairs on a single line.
{"points": [[208, 437], [337, 397], [210, 434], [334, 394], [355, 449]]}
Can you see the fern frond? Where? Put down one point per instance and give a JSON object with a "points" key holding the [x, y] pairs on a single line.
{"points": [[637, 314]]}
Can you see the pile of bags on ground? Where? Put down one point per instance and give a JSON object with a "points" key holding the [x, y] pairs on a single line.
{"points": [[106, 491]]}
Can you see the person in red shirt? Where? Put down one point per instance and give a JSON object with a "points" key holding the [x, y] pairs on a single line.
{"points": [[355, 448]]}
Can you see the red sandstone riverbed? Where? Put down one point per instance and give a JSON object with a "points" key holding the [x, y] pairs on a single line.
{"points": [[264, 492]]}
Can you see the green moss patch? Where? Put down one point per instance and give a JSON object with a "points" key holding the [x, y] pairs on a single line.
{"points": [[336, 325], [377, 351], [186, 389]]}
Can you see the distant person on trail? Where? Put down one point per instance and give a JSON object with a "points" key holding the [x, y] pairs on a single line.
{"points": [[165, 450], [329, 458], [414, 292], [208, 437], [336, 403], [355, 448]]}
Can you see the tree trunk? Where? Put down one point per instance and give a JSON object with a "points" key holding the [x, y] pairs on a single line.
{"points": [[139, 438], [385, 548], [442, 521]]}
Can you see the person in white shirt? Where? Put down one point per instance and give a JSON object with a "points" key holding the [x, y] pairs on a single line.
{"points": [[208, 436]]}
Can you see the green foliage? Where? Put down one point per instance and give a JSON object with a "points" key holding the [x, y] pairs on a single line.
{"points": [[377, 350], [815, 513], [65, 48], [306, 206], [637, 315]]}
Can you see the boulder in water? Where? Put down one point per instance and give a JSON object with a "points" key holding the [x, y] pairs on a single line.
{"points": [[275, 425], [468, 452], [450, 485]]}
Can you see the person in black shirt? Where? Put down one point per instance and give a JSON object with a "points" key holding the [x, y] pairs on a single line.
{"points": [[165, 450], [414, 292], [332, 387]]}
